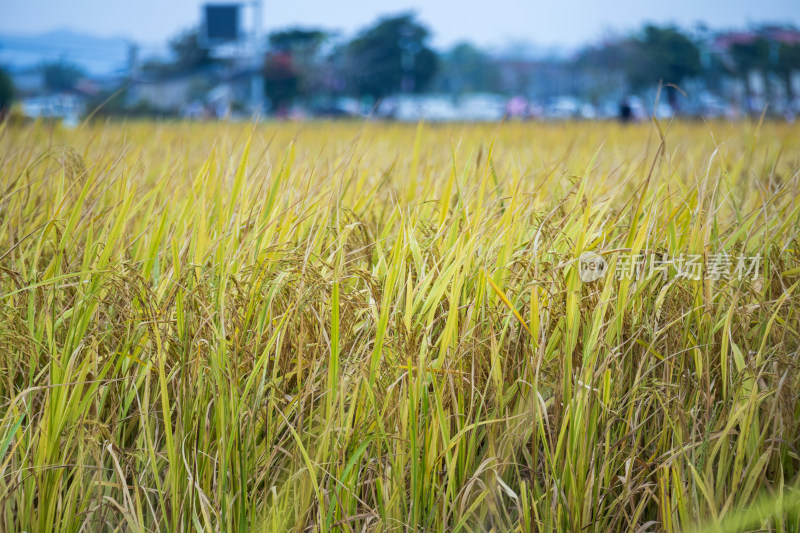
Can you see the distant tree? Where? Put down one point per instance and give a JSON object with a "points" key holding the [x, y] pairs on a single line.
{"points": [[187, 55], [61, 75], [466, 68], [295, 55], [6, 92], [607, 65], [297, 40], [391, 56], [281, 80], [788, 62], [614, 54], [749, 56], [663, 54], [188, 52]]}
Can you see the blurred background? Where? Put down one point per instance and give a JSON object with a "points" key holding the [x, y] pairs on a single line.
{"points": [[438, 61]]}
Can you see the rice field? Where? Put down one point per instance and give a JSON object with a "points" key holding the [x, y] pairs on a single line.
{"points": [[383, 327]]}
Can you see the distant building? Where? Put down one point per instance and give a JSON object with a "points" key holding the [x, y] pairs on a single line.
{"points": [[67, 106], [173, 92], [168, 92]]}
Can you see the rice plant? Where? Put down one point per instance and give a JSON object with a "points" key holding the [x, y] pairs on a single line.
{"points": [[381, 327]]}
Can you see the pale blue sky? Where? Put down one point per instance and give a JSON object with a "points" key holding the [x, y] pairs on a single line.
{"points": [[547, 23]]}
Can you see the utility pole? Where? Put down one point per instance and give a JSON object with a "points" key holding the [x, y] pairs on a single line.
{"points": [[257, 80]]}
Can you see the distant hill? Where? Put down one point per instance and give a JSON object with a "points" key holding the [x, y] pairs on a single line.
{"points": [[98, 55]]}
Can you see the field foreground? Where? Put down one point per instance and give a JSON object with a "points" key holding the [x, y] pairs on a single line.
{"points": [[374, 327]]}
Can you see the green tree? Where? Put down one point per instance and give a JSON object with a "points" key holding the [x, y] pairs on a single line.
{"points": [[61, 75], [188, 52], [465, 68], [607, 65], [753, 55], [299, 41], [391, 56], [293, 68], [617, 54], [281, 80], [663, 54], [187, 55], [6, 92], [788, 62]]}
